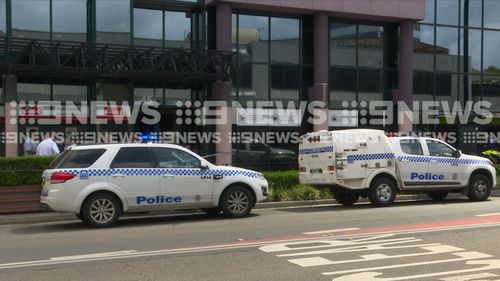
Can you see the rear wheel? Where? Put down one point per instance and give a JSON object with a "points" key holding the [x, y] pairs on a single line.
{"points": [[437, 195], [382, 192], [345, 198], [236, 202], [479, 188], [101, 210]]}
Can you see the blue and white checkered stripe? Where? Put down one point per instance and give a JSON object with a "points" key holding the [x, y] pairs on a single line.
{"points": [[158, 171], [373, 156], [444, 160], [325, 149]]}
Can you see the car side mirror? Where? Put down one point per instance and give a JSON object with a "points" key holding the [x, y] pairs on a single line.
{"points": [[204, 166], [457, 153]]}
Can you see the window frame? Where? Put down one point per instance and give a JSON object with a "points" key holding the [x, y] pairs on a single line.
{"points": [[412, 140], [442, 143], [157, 160]]}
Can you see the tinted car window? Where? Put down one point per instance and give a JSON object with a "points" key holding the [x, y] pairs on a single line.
{"points": [[411, 146], [175, 158], [133, 157], [80, 158], [439, 149]]}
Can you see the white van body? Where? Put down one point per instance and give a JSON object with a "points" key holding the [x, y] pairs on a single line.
{"points": [[351, 162]]}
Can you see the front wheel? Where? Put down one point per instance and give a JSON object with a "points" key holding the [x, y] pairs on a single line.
{"points": [[346, 199], [479, 188], [101, 210], [236, 202], [382, 192]]}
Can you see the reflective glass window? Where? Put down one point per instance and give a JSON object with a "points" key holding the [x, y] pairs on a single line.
{"points": [[423, 47], [343, 44], [71, 93], [447, 49], [475, 13], [447, 12], [285, 55], [491, 59], [491, 14], [113, 21], [177, 29], [253, 37], [3, 17], [33, 92], [429, 11], [474, 50], [69, 20], [148, 29], [31, 19]]}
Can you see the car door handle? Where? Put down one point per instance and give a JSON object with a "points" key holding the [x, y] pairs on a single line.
{"points": [[167, 176], [118, 176], [433, 161], [405, 160]]}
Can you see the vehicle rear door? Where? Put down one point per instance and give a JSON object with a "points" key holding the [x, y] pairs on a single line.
{"points": [[182, 179], [133, 172], [412, 163]]}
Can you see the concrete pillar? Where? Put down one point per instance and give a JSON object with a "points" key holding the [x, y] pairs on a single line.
{"points": [[11, 128], [321, 64], [222, 89], [405, 92]]}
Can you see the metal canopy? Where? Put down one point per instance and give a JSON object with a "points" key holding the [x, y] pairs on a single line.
{"points": [[173, 67]]}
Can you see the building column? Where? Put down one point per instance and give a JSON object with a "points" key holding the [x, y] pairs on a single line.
{"points": [[11, 128], [405, 92], [320, 90], [222, 89]]}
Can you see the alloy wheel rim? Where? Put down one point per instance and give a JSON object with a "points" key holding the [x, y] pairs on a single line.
{"points": [[238, 202], [384, 192], [480, 187], [102, 210]]}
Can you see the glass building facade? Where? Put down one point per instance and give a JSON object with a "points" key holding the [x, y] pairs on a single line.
{"points": [[455, 59]]}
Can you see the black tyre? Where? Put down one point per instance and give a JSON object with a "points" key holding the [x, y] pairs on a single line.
{"points": [[437, 195], [79, 216], [479, 187], [382, 192], [212, 212], [236, 202], [346, 198], [101, 210]]}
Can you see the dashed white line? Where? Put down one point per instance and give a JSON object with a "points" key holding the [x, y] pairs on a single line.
{"points": [[330, 231], [488, 215]]}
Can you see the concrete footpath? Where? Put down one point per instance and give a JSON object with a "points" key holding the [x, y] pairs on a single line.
{"points": [[55, 216]]}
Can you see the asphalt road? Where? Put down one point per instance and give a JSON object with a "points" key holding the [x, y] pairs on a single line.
{"points": [[417, 240]]}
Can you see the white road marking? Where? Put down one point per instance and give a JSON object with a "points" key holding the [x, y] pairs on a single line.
{"points": [[330, 231], [488, 215], [463, 256], [431, 250], [372, 276], [97, 255], [470, 277]]}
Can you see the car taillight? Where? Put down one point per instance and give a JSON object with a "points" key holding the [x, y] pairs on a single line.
{"points": [[302, 169], [59, 177]]}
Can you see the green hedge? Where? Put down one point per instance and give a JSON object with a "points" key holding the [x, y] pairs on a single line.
{"points": [[22, 170], [282, 179]]}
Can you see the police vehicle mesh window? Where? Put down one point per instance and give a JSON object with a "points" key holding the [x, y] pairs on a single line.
{"points": [[175, 158], [133, 157], [411, 146], [439, 149], [79, 158]]}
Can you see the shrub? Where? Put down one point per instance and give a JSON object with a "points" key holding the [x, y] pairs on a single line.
{"points": [[23, 170], [285, 179], [325, 193], [279, 194]]}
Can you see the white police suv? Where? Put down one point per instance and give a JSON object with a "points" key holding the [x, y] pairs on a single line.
{"points": [[99, 183]]}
